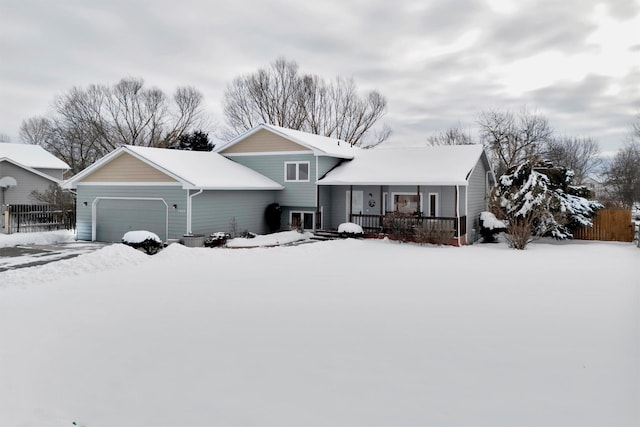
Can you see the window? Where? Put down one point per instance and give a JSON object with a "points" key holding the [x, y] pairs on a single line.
{"points": [[302, 220], [406, 203], [296, 171], [433, 204]]}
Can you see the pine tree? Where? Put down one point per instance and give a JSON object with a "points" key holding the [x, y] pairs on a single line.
{"points": [[538, 199]]}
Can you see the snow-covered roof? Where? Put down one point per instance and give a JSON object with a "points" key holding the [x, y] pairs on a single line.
{"points": [[33, 156], [194, 169], [320, 145], [441, 165]]}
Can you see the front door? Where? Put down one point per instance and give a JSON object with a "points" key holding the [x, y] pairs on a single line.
{"points": [[302, 220]]}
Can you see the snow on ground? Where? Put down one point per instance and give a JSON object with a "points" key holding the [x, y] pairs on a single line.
{"points": [[46, 238], [275, 239], [139, 236], [352, 332]]}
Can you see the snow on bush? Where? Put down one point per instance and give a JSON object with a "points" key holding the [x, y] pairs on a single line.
{"points": [[140, 236], [143, 239], [490, 221], [350, 228]]}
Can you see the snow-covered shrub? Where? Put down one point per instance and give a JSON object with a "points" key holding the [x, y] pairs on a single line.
{"points": [[143, 239], [216, 240], [399, 226], [246, 234], [437, 232], [350, 229], [490, 227], [540, 198]]}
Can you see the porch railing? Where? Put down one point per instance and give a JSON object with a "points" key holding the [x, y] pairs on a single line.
{"points": [[375, 223]]}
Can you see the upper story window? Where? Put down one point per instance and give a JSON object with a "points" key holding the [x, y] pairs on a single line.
{"points": [[296, 171]]}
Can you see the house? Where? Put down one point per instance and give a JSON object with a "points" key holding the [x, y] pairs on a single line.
{"points": [[168, 192], [319, 182], [25, 168], [446, 186], [296, 160]]}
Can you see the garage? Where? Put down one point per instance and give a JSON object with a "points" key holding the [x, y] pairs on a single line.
{"points": [[116, 216]]}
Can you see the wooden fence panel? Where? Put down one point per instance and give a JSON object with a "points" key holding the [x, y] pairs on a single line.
{"points": [[608, 225]]}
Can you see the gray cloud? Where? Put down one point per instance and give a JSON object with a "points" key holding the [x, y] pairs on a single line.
{"points": [[439, 63]]}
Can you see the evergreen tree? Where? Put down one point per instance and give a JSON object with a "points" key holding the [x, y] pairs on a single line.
{"points": [[195, 141], [538, 199]]}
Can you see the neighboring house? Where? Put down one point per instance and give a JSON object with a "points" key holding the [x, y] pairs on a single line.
{"points": [[25, 168], [319, 182], [168, 192], [445, 185], [296, 160]]}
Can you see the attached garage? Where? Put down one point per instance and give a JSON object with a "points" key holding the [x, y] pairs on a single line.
{"points": [[171, 193], [116, 216]]}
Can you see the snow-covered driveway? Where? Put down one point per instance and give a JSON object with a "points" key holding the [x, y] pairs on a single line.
{"points": [[369, 333]]}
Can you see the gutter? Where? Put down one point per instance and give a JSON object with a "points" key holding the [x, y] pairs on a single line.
{"points": [[189, 204]]}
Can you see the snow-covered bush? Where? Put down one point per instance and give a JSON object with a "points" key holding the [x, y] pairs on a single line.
{"points": [[350, 229], [143, 239], [437, 232], [399, 226], [490, 227], [538, 198], [216, 240]]}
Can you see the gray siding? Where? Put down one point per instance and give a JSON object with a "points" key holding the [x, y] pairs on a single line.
{"points": [[56, 173], [272, 166], [215, 211], [325, 206], [477, 197], [172, 195], [325, 164], [27, 183]]}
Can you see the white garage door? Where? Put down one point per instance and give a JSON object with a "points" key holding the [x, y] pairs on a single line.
{"points": [[115, 217]]}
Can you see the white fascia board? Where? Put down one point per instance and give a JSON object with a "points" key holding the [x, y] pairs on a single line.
{"points": [[235, 188], [266, 153], [121, 183]]}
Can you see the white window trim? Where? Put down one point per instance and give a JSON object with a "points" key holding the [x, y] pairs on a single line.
{"points": [[297, 171], [405, 193], [437, 204], [302, 213]]}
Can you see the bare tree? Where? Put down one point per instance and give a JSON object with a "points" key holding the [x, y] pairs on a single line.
{"points": [[623, 175], [4, 137], [581, 155], [514, 138], [452, 136], [281, 96], [35, 130], [89, 122]]}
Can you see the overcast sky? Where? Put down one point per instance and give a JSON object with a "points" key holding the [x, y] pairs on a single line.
{"points": [[438, 62]]}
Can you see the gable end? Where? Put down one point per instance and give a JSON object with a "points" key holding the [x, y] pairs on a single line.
{"points": [[127, 168], [264, 141]]}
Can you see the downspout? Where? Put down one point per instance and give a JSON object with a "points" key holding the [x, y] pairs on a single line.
{"points": [[317, 219], [189, 203], [458, 213]]}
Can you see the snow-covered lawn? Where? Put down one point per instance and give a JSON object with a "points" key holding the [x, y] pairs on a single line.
{"points": [[341, 333]]}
